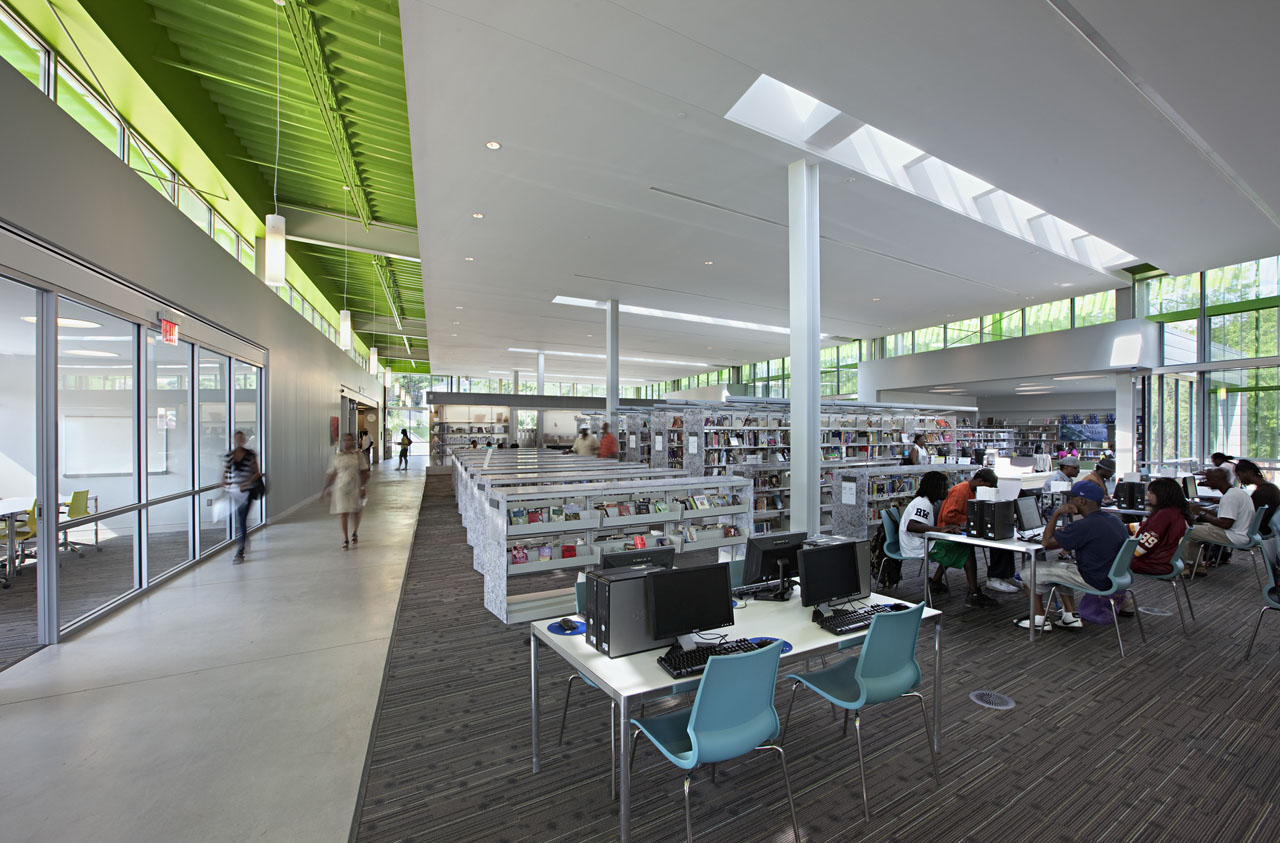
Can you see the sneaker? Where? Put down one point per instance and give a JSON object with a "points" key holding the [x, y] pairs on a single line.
{"points": [[1070, 620], [1006, 586], [237, 559], [978, 600], [1043, 624], [939, 586], [1125, 609]]}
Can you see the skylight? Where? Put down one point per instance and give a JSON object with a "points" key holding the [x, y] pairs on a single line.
{"points": [[780, 111]]}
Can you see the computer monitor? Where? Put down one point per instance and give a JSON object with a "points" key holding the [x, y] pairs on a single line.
{"points": [[1027, 511], [771, 557], [658, 557], [683, 601], [834, 572], [1189, 487]]}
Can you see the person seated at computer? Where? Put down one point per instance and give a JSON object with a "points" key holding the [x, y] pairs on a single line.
{"points": [[920, 515], [1162, 530], [1265, 493], [1103, 474], [1095, 539], [919, 454], [1068, 470], [947, 554], [1229, 526]]}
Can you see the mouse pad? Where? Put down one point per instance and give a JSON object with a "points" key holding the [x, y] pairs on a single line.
{"points": [[554, 628], [786, 645]]}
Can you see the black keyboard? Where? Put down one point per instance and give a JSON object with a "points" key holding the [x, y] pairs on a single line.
{"points": [[755, 588], [844, 621], [681, 663]]}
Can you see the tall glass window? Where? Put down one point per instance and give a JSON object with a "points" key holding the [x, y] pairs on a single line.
{"points": [[897, 345], [21, 50], [1002, 326], [1051, 316], [190, 203], [224, 235], [97, 449], [1244, 412], [246, 414], [87, 110], [964, 332], [1096, 308], [152, 170], [168, 422], [213, 432], [928, 339]]}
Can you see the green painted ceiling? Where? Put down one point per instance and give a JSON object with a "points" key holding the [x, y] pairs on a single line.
{"points": [[213, 64]]}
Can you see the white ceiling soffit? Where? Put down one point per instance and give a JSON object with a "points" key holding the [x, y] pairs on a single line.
{"points": [[1149, 123]]}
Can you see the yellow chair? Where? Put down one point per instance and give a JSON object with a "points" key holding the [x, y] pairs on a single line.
{"points": [[78, 507], [23, 532]]}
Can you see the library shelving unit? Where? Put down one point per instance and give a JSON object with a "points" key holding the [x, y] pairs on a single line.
{"points": [[555, 530], [877, 488], [771, 510], [1042, 432], [455, 425], [1000, 440], [635, 437]]}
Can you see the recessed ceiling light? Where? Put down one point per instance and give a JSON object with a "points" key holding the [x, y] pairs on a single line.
{"points": [[1029, 298], [706, 263], [1078, 377], [949, 315], [66, 322], [457, 307], [345, 186], [493, 145], [1031, 383], [468, 259], [478, 215], [457, 323], [851, 179], [453, 335], [708, 348], [84, 352], [673, 314], [601, 357], [588, 336], [1034, 392], [877, 298]]}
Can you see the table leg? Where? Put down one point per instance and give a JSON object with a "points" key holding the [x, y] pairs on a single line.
{"points": [[624, 772], [928, 598], [1031, 584], [937, 685], [11, 520], [533, 686]]}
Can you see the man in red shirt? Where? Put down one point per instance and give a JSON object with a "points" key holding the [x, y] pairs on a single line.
{"points": [[608, 444], [952, 518]]}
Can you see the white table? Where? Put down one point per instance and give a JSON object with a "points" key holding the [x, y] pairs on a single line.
{"points": [[1027, 549], [10, 509], [632, 679]]}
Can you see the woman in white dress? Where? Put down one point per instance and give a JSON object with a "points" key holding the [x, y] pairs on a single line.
{"points": [[347, 477]]}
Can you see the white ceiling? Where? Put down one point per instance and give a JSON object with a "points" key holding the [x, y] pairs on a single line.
{"points": [[606, 109]]}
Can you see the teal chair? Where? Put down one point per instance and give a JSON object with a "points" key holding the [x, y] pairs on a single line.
{"points": [[1173, 579], [885, 670], [731, 715], [1270, 598], [1121, 577], [1254, 542]]}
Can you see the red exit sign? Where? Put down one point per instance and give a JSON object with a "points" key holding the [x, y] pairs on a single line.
{"points": [[168, 332]]}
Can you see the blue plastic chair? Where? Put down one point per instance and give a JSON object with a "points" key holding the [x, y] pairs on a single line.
{"points": [[1270, 597], [1121, 577], [1254, 543], [885, 670], [731, 715], [1173, 579]]}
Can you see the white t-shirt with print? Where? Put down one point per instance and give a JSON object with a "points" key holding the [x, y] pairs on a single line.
{"points": [[1237, 504], [912, 544]]}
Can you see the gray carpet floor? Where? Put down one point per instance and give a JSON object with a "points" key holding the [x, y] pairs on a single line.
{"points": [[1178, 741]]}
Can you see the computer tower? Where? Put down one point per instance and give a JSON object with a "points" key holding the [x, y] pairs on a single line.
{"points": [[617, 612], [1131, 495], [975, 524], [998, 518]]}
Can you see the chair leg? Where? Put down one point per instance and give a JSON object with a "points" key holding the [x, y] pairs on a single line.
{"points": [[1137, 615], [928, 734], [1186, 592], [1177, 601], [1115, 620], [785, 723], [1255, 632], [713, 773], [1257, 574], [688, 818], [635, 734], [862, 771], [786, 781], [564, 713], [844, 733]]}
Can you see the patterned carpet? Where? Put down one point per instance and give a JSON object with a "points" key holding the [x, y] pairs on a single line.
{"points": [[1176, 742]]}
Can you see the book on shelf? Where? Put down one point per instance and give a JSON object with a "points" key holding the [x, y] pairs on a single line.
{"points": [[661, 506], [611, 510], [624, 509], [737, 500], [519, 516], [642, 507], [640, 542], [701, 502], [661, 541], [535, 516], [777, 501], [568, 551], [519, 554], [544, 553], [556, 513], [690, 533], [730, 531]]}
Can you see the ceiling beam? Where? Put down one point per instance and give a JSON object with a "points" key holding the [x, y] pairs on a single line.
{"points": [[414, 329], [392, 352], [306, 35], [387, 278]]}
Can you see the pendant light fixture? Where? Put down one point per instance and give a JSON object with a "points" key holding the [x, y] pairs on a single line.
{"points": [[373, 360], [344, 315], [274, 259]]}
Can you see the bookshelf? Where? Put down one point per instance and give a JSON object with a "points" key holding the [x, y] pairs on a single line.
{"points": [[454, 425], [879, 488], [997, 440]]}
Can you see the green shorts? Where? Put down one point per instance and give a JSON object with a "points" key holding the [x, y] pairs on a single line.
{"points": [[949, 554]]}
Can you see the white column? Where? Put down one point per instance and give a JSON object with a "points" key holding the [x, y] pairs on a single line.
{"points": [[611, 364], [805, 277], [1125, 425], [542, 372], [47, 470]]}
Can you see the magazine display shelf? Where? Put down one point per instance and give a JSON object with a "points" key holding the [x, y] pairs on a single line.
{"points": [[496, 541]]}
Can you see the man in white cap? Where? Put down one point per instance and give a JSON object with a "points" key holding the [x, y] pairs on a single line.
{"points": [[1068, 468]]}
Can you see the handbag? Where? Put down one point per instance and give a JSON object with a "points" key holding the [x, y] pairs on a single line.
{"points": [[259, 488]]}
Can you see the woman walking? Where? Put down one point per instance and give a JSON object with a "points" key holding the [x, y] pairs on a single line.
{"points": [[405, 442], [244, 485], [348, 476]]}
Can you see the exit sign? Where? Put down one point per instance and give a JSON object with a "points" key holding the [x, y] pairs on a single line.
{"points": [[168, 332]]}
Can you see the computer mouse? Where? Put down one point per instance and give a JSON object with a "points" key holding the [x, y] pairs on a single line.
{"points": [[570, 625], [898, 607]]}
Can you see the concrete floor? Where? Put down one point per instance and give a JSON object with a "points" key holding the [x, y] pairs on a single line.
{"points": [[233, 704]]}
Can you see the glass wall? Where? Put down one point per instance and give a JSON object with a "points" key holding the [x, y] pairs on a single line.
{"points": [[170, 463], [1244, 412], [245, 413]]}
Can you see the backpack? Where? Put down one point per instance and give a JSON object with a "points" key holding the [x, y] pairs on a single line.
{"points": [[886, 571]]}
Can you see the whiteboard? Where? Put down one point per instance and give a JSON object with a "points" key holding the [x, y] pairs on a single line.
{"points": [[87, 445]]}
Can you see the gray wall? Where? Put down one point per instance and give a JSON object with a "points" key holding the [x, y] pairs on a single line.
{"points": [[1017, 409], [1078, 350], [63, 186]]}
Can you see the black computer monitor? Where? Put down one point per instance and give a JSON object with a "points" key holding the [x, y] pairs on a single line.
{"points": [[683, 601], [1189, 487], [659, 557], [1027, 511], [832, 572], [771, 557]]}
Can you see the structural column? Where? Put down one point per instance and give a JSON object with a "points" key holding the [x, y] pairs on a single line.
{"points": [[611, 364], [805, 278], [1126, 425], [542, 377]]}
